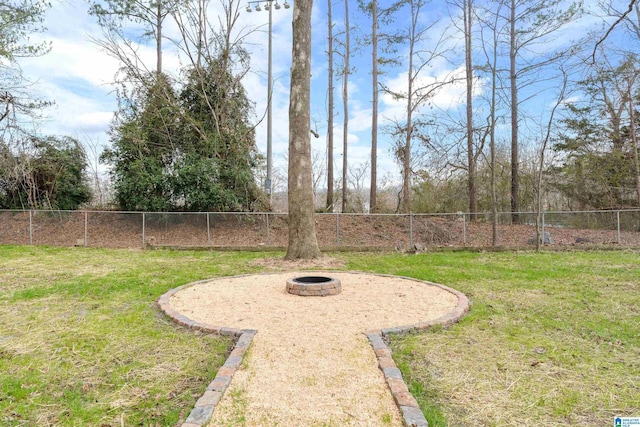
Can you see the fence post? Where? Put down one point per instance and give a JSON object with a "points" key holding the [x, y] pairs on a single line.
{"points": [[268, 235], [30, 227], [542, 237], [410, 230], [618, 217], [86, 229], [337, 229], [464, 229], [143, 224], [208, 231]]}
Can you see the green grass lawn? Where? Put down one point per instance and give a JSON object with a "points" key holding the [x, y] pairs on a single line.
{"points": [[552, 338], [82, 343]]}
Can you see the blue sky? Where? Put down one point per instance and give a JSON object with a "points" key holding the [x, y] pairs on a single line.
{"points": [[78, 76]]}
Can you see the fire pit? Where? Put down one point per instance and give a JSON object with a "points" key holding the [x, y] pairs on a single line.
{"points": [[316, 286]]}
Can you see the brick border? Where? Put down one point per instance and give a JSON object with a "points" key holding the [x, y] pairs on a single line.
{"points": [[202, 411], [412, 416]]}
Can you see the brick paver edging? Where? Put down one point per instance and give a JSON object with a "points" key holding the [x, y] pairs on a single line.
{"points": [[412, 416], [201, 414]]}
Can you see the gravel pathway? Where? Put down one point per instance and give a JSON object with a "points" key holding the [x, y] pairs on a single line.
{"points": [[310, 363]]}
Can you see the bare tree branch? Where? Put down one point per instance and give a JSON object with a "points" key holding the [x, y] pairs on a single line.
{"points": [[611, 28]]}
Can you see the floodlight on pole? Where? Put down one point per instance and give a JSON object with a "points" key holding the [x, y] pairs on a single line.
{"points": [[267, 7]]}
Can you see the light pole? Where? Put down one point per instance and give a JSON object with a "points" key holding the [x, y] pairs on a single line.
{"points": [[268, 6]]}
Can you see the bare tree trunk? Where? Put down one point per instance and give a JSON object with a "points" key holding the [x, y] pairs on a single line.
{"points": [[330, 114], [159, 18], [492, 132], [302, 232], [634, 142], [201, 31], [374, 116], [345, 99], [406, 154], [494, 197], [471, 160], [514, 115], [543, 149]]}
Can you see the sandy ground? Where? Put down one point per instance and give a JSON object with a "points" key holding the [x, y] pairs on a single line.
{"points": [[310, 363]]}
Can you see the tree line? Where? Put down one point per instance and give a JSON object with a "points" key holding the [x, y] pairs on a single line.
{"points": [[532, 81], [36, 171], [177, 142], [187, 141]]}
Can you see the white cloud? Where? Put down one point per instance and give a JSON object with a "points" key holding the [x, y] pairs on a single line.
{"points": [[74, 59], [360, 120], [77, 115], [446, 97]]}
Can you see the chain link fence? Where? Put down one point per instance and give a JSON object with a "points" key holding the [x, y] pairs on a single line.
{"points": [[334, 230]]}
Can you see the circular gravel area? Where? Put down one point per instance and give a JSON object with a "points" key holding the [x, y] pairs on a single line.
{"points": [[310, 362]]}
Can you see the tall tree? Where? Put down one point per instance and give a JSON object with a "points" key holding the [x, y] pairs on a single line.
{"points": [[490, 46], [345, 102], [598, 169], [330, 195], [302, 232], [36, 171], [144, 137], [532, 23], [622, 17], [467, 13], [373, 188], [194, 150], [633, 128], [113, 15], [145, 94], [211, 46], [382, 45], [547, 135], [214, 169], [405, 152], [18, 20], [417, 93], [513, 80], [492, 138], [631, 24]]}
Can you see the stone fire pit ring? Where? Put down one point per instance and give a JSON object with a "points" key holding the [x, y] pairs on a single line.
{"points": [[314, 286]]}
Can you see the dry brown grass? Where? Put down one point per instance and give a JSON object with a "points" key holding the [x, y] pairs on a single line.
{"points": [[552, 339], [281, 264]]}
